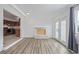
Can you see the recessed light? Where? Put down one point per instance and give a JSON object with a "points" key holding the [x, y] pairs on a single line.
{"points": [[28, 13]]}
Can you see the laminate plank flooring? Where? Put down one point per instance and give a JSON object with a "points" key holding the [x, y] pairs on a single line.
{"points": [[37, 46], [9, 40]]}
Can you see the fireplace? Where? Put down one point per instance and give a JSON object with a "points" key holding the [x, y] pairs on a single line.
{"points": [[42, 32]]}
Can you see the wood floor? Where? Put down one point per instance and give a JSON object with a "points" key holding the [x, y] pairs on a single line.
{"points": [[37, 46], [9, 40]]}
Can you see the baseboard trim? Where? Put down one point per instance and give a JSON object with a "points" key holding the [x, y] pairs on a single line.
{"points": [[5, 48], [28, 37]]}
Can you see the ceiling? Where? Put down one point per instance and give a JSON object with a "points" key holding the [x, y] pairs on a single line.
{"points": [[40, 11]]}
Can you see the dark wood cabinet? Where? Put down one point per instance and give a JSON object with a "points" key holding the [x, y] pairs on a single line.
{"points": [[11, 23], [5, 31], [17, 32]]}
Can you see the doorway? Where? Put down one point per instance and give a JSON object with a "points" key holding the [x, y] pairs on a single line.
{"points": [[11, 28]]}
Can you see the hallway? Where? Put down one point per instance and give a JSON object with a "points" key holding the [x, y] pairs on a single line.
{"points": [[37, 46]]}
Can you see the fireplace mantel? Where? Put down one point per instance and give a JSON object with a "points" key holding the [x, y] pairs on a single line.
{"points": [[41, 32]]}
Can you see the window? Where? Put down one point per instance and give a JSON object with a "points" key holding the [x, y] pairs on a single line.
{"points": [[63, 30], [57, 30], [77, 23]]}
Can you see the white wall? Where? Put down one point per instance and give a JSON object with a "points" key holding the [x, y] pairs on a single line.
{"points": [[30, 23], [1, 28], [11, 10]]}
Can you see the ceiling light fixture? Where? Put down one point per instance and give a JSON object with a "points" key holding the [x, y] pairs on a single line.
{"points": [[27, 13]]}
